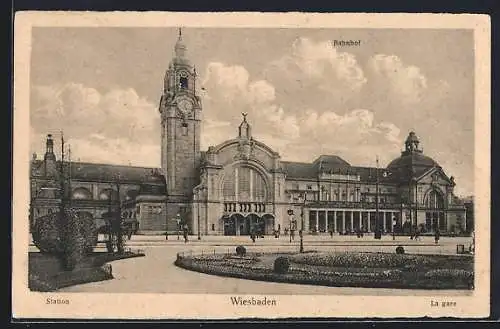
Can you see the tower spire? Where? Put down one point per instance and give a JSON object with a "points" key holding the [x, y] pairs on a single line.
{"points": [[180, 47]]}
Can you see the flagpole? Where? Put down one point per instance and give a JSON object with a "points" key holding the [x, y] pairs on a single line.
{"points": [[377, 219], [62, 174], [69, 174]]}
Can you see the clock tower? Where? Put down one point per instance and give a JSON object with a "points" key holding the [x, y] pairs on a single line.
{"points": [[180, 110]]}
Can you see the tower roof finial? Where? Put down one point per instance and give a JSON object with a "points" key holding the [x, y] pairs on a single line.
{"points": [[244, 128]]}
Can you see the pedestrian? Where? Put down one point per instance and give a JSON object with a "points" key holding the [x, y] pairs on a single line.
{"points": [[166, 235], [436, 237], [185, 233], [471, 247]]}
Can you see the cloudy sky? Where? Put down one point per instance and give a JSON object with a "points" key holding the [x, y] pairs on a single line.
{"points": [[304, 96]]}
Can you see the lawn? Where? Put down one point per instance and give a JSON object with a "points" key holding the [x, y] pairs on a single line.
{"points": [[46, 273], [343, 269]]}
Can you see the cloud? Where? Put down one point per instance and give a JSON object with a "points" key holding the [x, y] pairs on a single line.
{"points": [[115, 126], [356, 135], [97, 148], [405, 82], [318, 72], [231, 91], [298, 135]]}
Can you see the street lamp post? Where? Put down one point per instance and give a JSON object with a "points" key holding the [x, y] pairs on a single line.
{"points": [[378, 233], [301, 233], [202, 189], [199, 231], [290, 219], [178, 220], [393, 228]]}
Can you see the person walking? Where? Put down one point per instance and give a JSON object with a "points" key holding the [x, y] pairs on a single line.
{"points": [[186, 231], [436, 236], [417, 234]]}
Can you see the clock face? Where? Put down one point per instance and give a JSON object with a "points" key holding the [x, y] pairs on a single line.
{"points": [[185, 105]]}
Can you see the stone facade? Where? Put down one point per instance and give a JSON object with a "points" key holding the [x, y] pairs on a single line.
{"points": [[180, 110], [242, 185]]}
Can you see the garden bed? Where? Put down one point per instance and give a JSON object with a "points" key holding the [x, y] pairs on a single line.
{"points": [[47, 274], [344, 269]]}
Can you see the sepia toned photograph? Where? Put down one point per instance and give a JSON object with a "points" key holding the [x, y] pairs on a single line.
{"points": [[265, 165]]}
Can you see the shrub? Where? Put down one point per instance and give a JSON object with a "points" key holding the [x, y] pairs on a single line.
{"points": [[69, 235], [381, 260], [241, 251], [88, 230], [48, 231], [400, 250], [449, 274], [281, 265]]}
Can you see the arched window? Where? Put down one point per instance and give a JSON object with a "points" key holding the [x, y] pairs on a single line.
{"points": [[108, 193], [48, 192], [244, 184], [184, 82], [82, 193], [228, 189], [434, 200]]}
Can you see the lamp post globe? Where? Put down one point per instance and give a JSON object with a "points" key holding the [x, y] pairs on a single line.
{"points": [[178, 221]]}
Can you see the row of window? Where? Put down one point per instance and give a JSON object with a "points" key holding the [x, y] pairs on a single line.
{"points": [[343, 197], [366, 189]]}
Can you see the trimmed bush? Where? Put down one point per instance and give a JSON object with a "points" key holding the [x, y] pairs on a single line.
{"points": [[48, 231], [400, 250], [241, 251], [69, 236], [281, 265]]}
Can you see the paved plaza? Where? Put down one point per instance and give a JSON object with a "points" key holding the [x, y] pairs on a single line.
{"points": [[156, 272]]}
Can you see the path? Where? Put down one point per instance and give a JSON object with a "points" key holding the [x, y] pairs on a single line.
{"points": [[156, 273]]}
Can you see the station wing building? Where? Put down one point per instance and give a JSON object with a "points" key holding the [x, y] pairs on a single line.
{"points": [[242, 185]]}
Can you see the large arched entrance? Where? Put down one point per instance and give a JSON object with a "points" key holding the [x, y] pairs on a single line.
{"points": [[245, 196], [238, 224]]}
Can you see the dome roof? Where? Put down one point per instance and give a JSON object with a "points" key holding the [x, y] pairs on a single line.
{"points": [[412, 158]]}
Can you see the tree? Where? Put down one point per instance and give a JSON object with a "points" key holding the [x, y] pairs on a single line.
{"points": [[69, 235]]}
